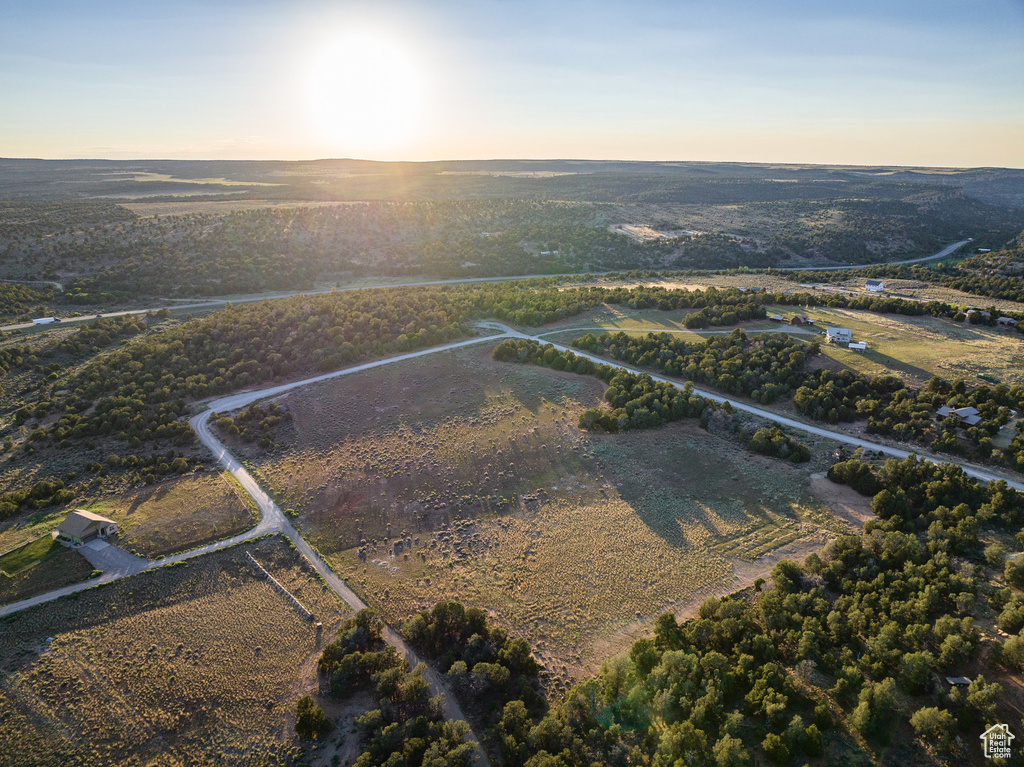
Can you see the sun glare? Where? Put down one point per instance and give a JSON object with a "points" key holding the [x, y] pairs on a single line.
{"points": [[365, 94]]}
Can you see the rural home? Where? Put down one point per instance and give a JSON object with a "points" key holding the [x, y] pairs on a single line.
{"points": [[81, 525], [968, 416], [838, 335], [1006, 322], [983, 314], [875, 286], [801, 319]]}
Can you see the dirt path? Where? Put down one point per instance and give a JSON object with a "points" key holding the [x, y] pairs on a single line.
{"points": [[272, 520]]}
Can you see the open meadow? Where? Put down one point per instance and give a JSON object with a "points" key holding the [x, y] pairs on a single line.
{"points": [[197, 663], [455, 476], [913, 348], [917, 348], [179, 514]]}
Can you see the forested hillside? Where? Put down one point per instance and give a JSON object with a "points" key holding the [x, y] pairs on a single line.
{"points": [[104, 252]]}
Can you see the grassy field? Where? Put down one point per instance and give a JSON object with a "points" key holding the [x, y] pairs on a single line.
{"points": [[38, 566], [27, 556], [193, 664], [455, 476], [179, 514], [916, 348]]}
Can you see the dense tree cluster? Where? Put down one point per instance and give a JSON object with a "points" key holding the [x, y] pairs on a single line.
{"points": [[254, 422], [862, 634], [765, 366], [115, 254], [277, 248], [21, 300], [408, 726], [484, 665], [16, 356], [99, 334], [768, 366], [637, 400], [43, 493], [137, 393], [771, 440]]}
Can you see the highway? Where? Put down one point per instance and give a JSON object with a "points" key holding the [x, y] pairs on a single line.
{"points": [[934, 257], [216, 302]]}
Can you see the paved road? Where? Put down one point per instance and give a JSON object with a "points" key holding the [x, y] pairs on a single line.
{"points": [[214, 302], [934, 257]]}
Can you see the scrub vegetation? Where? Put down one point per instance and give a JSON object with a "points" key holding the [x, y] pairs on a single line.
{"points": [[457, 475], [197, 663]]}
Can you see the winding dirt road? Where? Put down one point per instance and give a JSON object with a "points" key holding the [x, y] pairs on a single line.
{"points": [[272, 519]]}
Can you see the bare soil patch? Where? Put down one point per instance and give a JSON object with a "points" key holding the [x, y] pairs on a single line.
{"points": [[846, 502]]}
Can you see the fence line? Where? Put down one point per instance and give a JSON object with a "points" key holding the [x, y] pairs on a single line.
{"points": [[302, 609]]}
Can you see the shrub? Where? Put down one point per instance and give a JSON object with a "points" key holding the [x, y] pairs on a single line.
{"points": [[933, 724]]}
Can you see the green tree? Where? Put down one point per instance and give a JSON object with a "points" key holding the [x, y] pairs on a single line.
{"points": [[934, 725], [310, 720], [729, 752]]}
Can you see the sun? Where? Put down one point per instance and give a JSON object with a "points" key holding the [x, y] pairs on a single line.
{"points": [[365, 93]]}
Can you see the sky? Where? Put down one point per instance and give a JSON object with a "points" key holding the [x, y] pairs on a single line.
{"points": [[902, 82]]}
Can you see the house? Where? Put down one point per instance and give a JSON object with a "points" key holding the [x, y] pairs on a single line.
{"points": [[1006, 322], [983, 314], [958, 681], [874, 286], [801, 319], [857, 347], [838, 335], [968, 416], [80, 526]]}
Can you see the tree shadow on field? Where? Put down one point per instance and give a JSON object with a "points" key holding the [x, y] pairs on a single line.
{"points": [[681, 484], [892, 363]]}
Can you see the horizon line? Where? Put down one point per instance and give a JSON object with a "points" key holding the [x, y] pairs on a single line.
{"points": [[786, 163]]}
